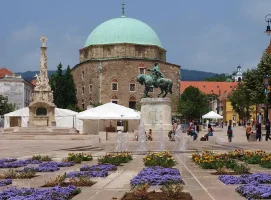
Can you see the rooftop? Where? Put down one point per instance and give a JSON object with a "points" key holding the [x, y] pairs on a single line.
{"points": [[218, 88]]}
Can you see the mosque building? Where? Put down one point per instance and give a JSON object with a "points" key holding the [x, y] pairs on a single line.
{"points": [[114, 54]]}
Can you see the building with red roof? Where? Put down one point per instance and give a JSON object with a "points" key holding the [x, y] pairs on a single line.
{"points": [[15, 88]]}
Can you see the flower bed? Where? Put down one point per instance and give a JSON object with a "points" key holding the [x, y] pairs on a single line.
{"points": [[115, 158], [50, 166], [157, 176], [14, 163], [101, 167], [78, 157], [87, 174], [25, 173], [7, 160], [60, 180], [93, 171], [5, 182], [168, 192], [163, 159], [59, 193], [223, 163], [254, 191], [246, 179]]}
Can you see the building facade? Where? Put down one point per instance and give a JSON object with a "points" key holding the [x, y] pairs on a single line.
{"points": [[114, 54], [16, 89]]}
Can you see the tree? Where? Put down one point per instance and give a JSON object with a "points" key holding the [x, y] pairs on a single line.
{"points": [[6, 107], [253, 79], [238, 101], [193, 103], [70, 90], [64, 89]]}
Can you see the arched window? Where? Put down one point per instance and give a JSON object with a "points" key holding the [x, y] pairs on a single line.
{"points": [[132, 102], [132, 86], [114, 99], [114, 84], [142, 68]]}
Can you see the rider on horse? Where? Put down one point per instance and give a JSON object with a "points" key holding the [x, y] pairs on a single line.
{"points": [[156, 73]]}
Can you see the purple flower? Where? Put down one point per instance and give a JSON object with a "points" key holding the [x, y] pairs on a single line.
{"points": [[88, 174], [254, 191], [245, 178], [157, 176], [101, 167], [5, 182], [55, 193], [7, 160]]}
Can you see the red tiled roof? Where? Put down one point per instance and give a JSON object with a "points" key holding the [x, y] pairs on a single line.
{"points": [[4, 72], [219, 88], [33, 82]]}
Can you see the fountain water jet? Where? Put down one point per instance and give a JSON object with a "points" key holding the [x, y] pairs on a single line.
{"points": [[161, 144], [182, 140], [120, 142], [142, 137]]}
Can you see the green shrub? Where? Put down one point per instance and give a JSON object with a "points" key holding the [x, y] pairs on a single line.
{"points": [[78, 157], [42, 158]]}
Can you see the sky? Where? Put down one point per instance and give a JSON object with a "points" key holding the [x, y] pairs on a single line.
{"points": [[210, 35]]}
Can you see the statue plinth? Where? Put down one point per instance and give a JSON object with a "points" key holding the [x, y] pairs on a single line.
{"points": [[156, 112]]}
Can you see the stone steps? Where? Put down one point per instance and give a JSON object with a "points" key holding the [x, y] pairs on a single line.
{"points": [[48, 137]]}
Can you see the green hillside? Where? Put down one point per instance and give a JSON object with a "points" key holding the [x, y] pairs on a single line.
{"points": [[186, 75]]}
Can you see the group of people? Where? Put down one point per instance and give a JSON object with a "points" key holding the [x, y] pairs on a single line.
{"points": [[258, 131]]}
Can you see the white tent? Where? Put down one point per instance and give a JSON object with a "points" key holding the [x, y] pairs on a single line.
{"points": [[212, 115], [109, 111], [64, 118]]}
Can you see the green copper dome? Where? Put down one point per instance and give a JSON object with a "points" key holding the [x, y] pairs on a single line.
{"points": [[123, 30]]}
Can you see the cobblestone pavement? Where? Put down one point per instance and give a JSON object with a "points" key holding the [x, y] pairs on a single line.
{"points": [[200, 183]]}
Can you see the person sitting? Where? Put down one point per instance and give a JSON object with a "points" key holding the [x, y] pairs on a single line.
{"points": [[210, 132], [150, 135], [194, 134]]}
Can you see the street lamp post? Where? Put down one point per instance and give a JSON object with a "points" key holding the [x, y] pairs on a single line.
{"points": [[268, 20], [266, 92]]}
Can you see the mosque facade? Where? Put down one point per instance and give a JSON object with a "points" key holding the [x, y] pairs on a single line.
{"points": [[114, 54]]}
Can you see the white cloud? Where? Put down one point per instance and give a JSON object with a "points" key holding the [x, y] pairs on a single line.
{"points": [[25, 33]]}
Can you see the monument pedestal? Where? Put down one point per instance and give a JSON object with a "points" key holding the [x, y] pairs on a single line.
{"points": [[156, 112], [42, 110], [42, 107]]}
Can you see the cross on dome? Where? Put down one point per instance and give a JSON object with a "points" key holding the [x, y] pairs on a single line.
{"points": [[123, 9]]}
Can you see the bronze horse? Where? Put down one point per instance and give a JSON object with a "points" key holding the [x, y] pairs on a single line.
{"points": [[164, 84]]}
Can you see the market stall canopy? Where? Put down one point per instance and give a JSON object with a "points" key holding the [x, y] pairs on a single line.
{"points": [[64, 118], [212, 115], [109, 111]]}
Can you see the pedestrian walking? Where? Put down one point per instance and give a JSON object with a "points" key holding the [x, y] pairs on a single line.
{"points": [[248, 130], [258, 131], [267, 127], [230, 133]]}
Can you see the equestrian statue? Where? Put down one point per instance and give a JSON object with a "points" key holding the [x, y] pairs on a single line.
{"points": [[155, 80]]}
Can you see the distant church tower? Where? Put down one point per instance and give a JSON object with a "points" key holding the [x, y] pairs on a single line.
{"points": [[237, 76]]}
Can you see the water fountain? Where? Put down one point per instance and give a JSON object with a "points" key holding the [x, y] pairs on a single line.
{"points": [[142, 137], [181, 139], [161, 144]]}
